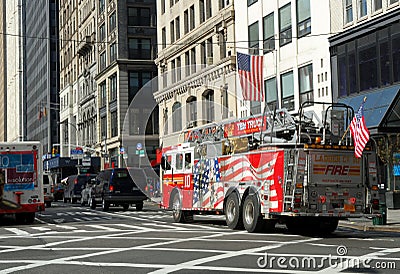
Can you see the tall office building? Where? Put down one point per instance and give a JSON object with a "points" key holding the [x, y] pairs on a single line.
{"points": [[107, 53], [196, 63], [42, 70], [14, 70], [3, 98]]}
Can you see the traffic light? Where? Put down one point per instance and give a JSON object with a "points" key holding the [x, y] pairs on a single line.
{"points": [[54, 151]]}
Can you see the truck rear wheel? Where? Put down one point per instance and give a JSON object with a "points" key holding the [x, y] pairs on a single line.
{"points": [[233, 214], [252, 219]]}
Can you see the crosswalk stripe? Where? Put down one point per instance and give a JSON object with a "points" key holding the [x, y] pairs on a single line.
{"points": [[16, 231], [40, 228], [101, 227], [130, 226], [66, 227]]}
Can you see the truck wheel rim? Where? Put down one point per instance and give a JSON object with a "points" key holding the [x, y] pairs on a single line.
{"points": [[249, 213], [230, 211], [176, 206]]}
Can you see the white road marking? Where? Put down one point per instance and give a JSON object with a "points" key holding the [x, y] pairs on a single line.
{"points": [[102, 227], [40, 228], [17, 231]]}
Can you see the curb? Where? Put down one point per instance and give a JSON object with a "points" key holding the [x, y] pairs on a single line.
{"points": [[364, 227]]}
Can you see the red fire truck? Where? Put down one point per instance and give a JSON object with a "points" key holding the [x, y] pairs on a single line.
{"points": [[272, 168], [21, 180]]}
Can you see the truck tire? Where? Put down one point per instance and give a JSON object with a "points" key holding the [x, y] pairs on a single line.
{"points": [[177, 212], [233, 212], [29, 218], [328, 225], [252, 219], [25, 218], [105, 205], [139, 206], [92, 203]]}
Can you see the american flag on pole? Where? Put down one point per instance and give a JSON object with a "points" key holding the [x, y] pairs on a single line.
{"points": [[250, 69], [359, 131]]}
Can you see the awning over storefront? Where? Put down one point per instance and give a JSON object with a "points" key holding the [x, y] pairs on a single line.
{"points": [[381, 109]]}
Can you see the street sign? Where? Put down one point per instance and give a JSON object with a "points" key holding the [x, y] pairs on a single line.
{"points": [[76, 153], [139, 146], [86, 161], [122, 150]]}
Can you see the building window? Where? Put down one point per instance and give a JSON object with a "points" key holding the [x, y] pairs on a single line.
{"points": [[136, 81], [225, 101], [368, 62], [222, 4], [164, 38], [139, 17], [114, 124], [101, 5], [303, 18], [165, 119], [348, 11], [103, 128], [113, 52], [102, 32], [254, 39], [287, 90], [186, 21], [177, 28], [178, 69], [363, 8], [139, 48], [192, 18], [268, 33], [208, 106], [202, 11], [306, 89], [173, 72], [193, 60], [103, 94], [113, 87], [203, 56], [162, 6], [251, 2], [285, 25], [103, 61], [393, 1], [172, 31], [112, 21], [208, 9], [271, 93], [191, 112], [377, 5], [187, 64], [176, 117]]}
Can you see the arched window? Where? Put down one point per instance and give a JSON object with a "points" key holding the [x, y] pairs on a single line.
{"points": [[176, 117], [208, 106], [191, 112]]}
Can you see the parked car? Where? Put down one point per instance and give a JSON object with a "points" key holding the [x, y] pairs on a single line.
{"points": [[116, 187], [74, 185], [47, 191]]}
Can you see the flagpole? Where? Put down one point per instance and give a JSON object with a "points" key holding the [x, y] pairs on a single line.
{"points": [[348, 127]]}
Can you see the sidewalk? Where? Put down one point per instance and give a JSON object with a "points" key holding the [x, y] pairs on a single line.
{"points": [[364, 224]]}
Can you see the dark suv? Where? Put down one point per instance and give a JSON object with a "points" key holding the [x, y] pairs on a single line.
{"points": [[116, 187]]}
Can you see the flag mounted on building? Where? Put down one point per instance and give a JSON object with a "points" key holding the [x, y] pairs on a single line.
{"points": [[359, 131], [250, 69]]}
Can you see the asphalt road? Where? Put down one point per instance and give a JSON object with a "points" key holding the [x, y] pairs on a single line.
{"points": [[69, 238]]}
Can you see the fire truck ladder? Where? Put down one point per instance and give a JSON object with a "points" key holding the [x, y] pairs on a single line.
{"points": [[277, 121], [290, 181]]}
